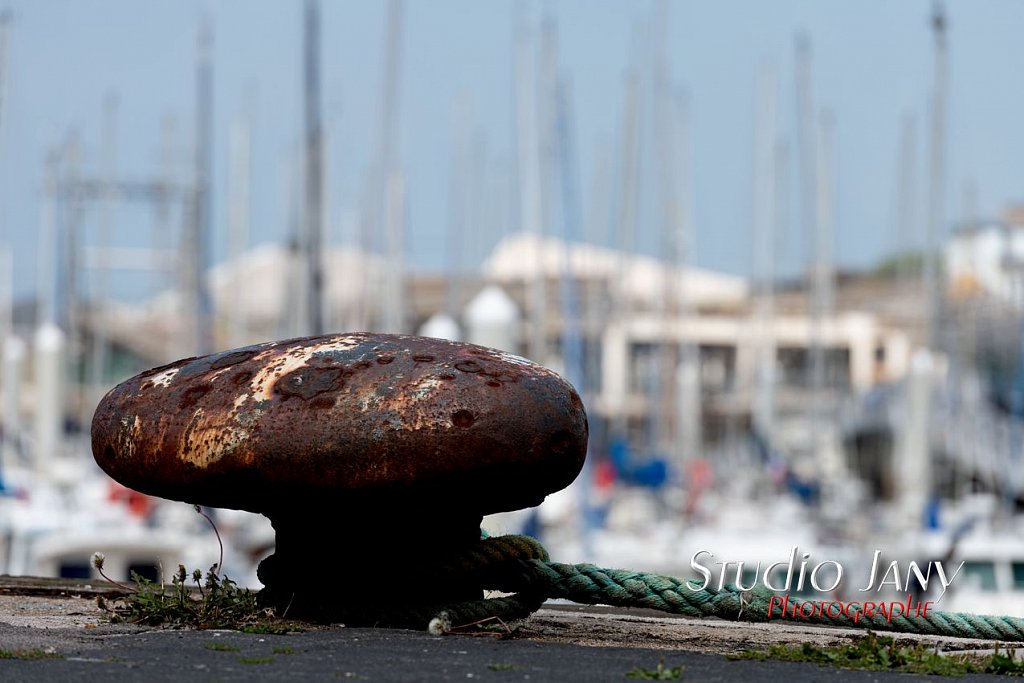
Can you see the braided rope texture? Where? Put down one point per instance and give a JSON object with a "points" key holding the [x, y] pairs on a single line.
{"points": [[519, 564]]}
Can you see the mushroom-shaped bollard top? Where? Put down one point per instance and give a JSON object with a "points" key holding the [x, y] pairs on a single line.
{"points": [[363, 417]]}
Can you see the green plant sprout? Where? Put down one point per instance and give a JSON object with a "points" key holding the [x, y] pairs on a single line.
{"points": [[660, 673], [193, 601], [883, 653]]}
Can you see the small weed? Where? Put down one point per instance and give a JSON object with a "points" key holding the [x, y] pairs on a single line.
{"points": [[194, 601], [256, 660], [283, 651], [216, 602], [1007, 664], [48, 653], [503, 666], [660, 673], [222, 647], [880, 653]]}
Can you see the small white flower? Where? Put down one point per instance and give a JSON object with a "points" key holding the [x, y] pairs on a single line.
{"points": [[440, 624]]}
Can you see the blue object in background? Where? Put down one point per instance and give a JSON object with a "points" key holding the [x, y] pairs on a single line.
{"points": [[652, 473]]}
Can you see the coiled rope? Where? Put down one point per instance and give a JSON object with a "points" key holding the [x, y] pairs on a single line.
{"points": [[520, 565]]}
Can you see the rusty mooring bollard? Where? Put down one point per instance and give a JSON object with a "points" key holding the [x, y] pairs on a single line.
{"points": [[370, 453]]}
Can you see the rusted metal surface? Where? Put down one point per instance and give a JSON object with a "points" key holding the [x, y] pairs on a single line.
{"points": [[310, 419]]}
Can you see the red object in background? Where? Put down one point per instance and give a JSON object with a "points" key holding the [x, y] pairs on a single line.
{"points": [[700, 475], [139, 504], [604, 475], [604, 482]]}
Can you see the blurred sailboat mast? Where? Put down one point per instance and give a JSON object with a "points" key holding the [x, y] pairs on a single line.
{"points": [[548, 150], [197, 239], [763, 257], [597, 305], [49, 339], [677, 417], [807, 139], [530, 202], [914, 445], [390, 199], [13, 347], [573, 363], [625, 237], [6, 258], [572, 342], [101, 304], [312, 233], [824, 296], [238, 224], [936, 178], [663, 391], [689, 438], [816, 220], [458, 226]]}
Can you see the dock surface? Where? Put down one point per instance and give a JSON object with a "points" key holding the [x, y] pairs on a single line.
{"points": [[59, 621]]}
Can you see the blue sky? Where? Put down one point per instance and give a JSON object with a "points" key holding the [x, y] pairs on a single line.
{"points": [[872, 67]]}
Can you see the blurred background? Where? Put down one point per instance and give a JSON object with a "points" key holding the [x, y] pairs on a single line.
{"points": [[778, 248]]}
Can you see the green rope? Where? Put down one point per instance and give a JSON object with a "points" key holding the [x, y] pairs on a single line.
{"points": [[519, 564]]}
